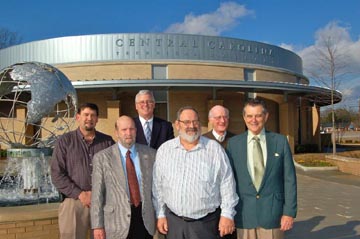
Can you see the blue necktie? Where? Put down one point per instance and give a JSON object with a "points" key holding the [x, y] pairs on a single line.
{"points": [[147, 132]]}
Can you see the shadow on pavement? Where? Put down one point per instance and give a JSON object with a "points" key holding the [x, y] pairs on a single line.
{"points": [[305, 230]]}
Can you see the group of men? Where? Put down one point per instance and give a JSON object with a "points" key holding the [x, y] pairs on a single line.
{"points": [[193, 186]]}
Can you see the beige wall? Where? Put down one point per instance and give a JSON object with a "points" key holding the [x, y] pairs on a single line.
{"points": [[176, 70], [205, 72], [114, 102]]}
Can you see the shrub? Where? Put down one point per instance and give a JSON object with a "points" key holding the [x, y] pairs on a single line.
{"points": [[306, 148]]}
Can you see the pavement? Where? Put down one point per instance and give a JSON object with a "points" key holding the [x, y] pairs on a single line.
{"points": [[328, 205]]}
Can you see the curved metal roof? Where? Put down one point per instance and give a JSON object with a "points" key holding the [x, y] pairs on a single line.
{"points": [[153, 47], [316, 95]]}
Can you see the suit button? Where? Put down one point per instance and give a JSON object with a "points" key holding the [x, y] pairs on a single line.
{"points": [[257, 196], [128, 215]]}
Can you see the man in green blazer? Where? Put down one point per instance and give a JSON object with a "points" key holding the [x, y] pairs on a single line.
{"points": [[265, 175]]}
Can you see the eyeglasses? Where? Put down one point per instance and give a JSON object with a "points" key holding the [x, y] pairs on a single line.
{"points": [[146, 102], [188, 122], [221, 117]]}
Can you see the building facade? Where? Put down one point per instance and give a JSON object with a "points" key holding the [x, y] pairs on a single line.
{"points": [[184, 70]]}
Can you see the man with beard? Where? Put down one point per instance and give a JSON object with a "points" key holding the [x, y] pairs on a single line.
{"points": [[71, 169], [121, 205], [193, 185]]}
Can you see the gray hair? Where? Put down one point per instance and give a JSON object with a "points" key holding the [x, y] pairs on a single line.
{"points": [[144, 92], [255, 102], [211, 112], [186, 108]]}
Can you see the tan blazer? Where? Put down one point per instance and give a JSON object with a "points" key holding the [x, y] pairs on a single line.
{"points": [[110, 207]]}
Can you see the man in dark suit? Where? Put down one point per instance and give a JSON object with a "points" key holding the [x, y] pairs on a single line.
{"points": [[121, 208], [219, 119], [265, 176], [151, 130]]}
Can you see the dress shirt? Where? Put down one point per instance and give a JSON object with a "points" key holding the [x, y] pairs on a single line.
{"points": [[193, 183], [143, 121], [250, 142], [217, 136], [71, 164], [135, 158]]}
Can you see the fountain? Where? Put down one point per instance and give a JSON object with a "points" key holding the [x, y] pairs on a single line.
{"points": [[26, 178], [38, 103]]}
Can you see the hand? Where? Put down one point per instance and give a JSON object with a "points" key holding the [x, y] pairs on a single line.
{"points": [[286, 223], [226, 226], [99, 233], [85, 198], [162, 225]]}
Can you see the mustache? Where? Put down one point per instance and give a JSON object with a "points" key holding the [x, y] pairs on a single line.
{"points": [[192, 129]]}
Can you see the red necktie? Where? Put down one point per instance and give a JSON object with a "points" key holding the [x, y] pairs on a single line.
{"points": [[132, 180]]}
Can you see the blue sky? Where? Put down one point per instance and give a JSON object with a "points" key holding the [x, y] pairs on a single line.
{"points": [[293, 24]]}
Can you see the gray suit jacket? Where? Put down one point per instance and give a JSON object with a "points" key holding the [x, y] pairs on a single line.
{"points": [[110, 207]]}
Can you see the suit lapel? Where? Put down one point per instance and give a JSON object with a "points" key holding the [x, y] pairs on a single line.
{"points": [[143, 166], [155, 131], [243, 156], [117, 166], [140, 136], [270, 147]]}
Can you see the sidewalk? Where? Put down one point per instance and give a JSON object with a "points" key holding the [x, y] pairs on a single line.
{"points": [[328, 206]]}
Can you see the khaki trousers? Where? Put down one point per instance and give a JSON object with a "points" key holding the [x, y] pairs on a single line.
{"points": [[74, 219], [260, 233]]}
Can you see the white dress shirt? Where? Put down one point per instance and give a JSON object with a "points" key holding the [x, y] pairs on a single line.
{"points": [[193, 183]]}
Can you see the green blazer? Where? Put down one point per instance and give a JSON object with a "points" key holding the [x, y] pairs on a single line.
{"points": [[277, 194]]}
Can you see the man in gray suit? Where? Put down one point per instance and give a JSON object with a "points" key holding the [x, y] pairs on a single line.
{"points": [[265, 176], [115, 211]]}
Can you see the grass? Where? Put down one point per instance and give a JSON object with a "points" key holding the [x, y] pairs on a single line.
{"points": [[318, 159]]}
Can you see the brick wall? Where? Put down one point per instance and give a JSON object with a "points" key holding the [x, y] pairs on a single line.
{"points": [[345, 164], [29, 222], [32, 229]]}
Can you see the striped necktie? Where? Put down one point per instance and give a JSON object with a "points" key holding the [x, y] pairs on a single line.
{"points": [[258, 160], [147, 132]]}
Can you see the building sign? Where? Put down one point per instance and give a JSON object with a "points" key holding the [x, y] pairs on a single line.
{"points": [[150, 46]]}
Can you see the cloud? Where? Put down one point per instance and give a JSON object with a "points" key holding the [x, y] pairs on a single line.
{"points": [[287, 46], [224, 18], [347, 52], [347, 48]]}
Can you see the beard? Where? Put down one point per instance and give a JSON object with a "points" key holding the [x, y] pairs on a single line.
{"points": [[128, 142], [91, 128], [190, 137]]}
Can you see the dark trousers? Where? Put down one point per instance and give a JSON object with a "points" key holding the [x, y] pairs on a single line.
{"points": [[137, 228], [206, 227]]}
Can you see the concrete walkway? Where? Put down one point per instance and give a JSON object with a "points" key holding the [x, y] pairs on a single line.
{"points": [[328, 206]]}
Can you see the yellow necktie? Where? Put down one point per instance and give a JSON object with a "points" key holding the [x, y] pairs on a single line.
{"points": [[258, 160]]}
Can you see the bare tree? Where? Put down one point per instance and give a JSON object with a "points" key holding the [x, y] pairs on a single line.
{"points": [[8, 38], [329, 68]]}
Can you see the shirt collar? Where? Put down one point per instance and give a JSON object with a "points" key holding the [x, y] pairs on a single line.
{"points": [[124, 150], [143, 121], [199, 145], [217, 135], [261, 136], [81, 135]]}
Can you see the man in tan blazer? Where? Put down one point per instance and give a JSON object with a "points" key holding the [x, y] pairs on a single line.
{"points": [[114, 213]]}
